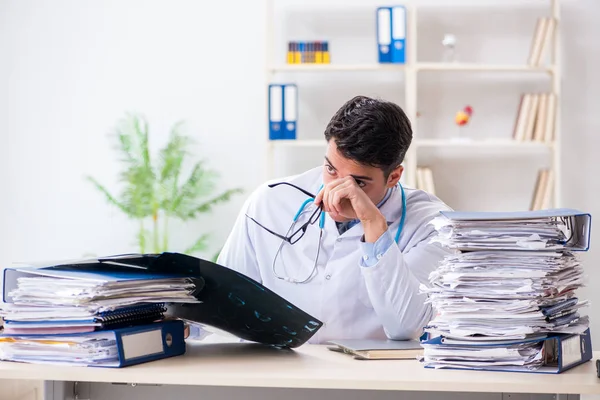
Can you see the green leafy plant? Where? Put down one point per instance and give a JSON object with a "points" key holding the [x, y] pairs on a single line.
{"points": [[154, 189]]}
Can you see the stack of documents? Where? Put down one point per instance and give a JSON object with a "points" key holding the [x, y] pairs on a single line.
{"points": [[145, 301], [49, 300], [510, 286], [104, 348], [537, 230], [65, 313]]}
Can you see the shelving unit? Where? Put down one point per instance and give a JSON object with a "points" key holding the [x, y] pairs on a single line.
{"points": [[409, 74]]}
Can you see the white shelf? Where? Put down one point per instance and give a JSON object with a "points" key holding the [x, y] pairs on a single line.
{"points": [[424, 66], [297, 143], [454, 143], [408, 76], [474, 67], [336, 67], [499, 143]]}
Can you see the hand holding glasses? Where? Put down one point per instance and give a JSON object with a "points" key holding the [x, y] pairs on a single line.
{"points": [[297, 234]]}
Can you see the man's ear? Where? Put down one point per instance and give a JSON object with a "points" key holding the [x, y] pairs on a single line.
{"points": [[395, 176]]}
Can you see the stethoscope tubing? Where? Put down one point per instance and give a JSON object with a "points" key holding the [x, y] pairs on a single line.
{"points": [[303, 208]]}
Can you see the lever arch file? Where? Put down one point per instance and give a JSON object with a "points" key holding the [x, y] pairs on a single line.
{"points": [[391, 34], [107, 348], [283, 111], [555, 353], [562, 229]]}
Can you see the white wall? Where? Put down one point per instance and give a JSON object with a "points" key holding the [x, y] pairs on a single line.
{"points": [[70, 69], [73, 68]]}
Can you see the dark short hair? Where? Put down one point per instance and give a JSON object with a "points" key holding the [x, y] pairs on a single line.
{"points": [[371, 132]]}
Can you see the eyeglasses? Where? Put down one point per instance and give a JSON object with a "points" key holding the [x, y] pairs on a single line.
{"points": [[298, 233]]}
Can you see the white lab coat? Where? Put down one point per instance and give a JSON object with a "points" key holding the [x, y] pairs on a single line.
{"points": [[352, 300]]}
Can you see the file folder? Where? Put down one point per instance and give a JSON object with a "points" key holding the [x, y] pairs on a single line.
{"points": [[283, 111], [391, 34], [120, 318], [561, 352], [578, 222], [107, 273], [107, 348], [151, 342], [275, 112]]}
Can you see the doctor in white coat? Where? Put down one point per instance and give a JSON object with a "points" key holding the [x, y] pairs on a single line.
{"points": [[345, 241]]}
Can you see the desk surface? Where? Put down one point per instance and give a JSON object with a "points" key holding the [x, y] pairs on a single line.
{"points": [[310, 366]]}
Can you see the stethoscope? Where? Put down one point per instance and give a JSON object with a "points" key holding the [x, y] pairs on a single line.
{"points": [[321, 226]]}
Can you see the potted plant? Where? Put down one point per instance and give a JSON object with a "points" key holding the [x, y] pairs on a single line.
{"points": [[154, 189]]}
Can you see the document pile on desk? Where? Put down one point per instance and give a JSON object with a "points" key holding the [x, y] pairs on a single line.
{"points": [[507, 299], [123, 310], [72, 316]]}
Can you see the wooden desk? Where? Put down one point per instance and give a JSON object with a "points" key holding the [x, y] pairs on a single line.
{"points": [[311, 366]]}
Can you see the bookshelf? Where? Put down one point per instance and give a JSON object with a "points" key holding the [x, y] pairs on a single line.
{"points": [[411, 73]]}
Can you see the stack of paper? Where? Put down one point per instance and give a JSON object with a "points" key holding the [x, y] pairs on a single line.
{"points": [[544, 233], [511, 282], [97, 348], [69, 315], [70, 301]]}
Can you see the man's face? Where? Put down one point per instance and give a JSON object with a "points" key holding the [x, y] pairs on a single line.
{"points": [[371, 179]]}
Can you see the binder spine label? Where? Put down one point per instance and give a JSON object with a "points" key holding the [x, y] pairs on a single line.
{"points": [[290, 111], [143, 344], [398, 34], [275, 112], [384, 34], [571, 350]]}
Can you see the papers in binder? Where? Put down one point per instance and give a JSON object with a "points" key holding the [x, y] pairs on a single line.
{"points": [[86, 292], [507, 294], [554, 229], [507, 297], [552, 354], [105, 348], [54, 301], [25, 320], [94, 291]]}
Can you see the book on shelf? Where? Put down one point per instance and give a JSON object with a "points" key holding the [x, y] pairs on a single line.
{"points": [[542, 194], [308, 52], [542, 40], [536, 116], [425, 180]]}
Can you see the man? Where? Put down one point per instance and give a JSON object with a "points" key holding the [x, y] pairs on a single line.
{"points": [[339, 261]]}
